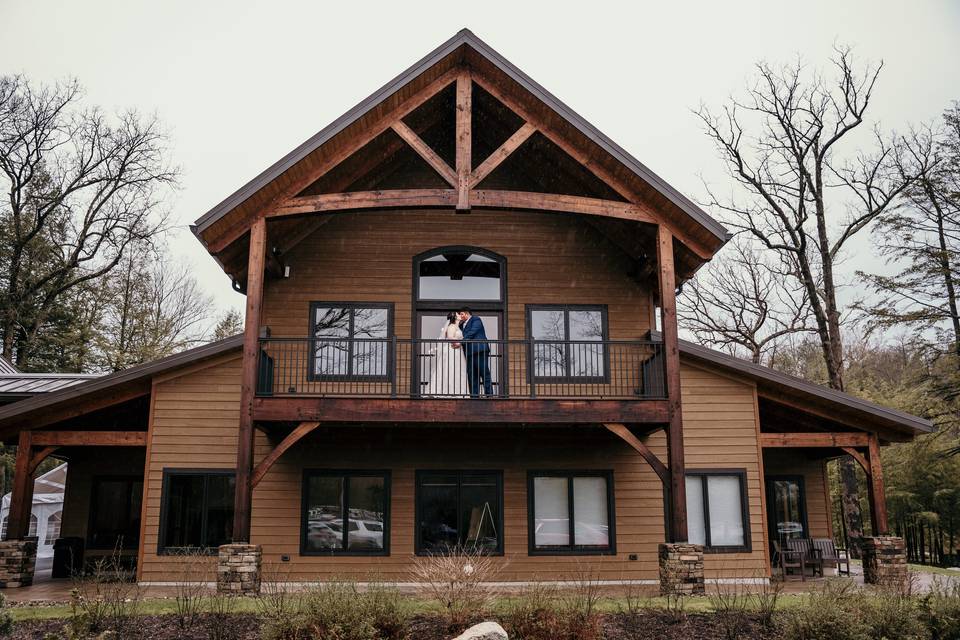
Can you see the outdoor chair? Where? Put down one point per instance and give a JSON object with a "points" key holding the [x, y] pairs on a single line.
{"points": [[788, 559], [809, 553], [830, 553]]}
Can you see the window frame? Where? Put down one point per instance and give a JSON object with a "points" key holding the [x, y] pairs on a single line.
{"points": [[769, 497], [417, 510], [440, 303], [345, 474], [313, 376], [571, 549], [567, 378], [93, 511], [741, 474], [162, 548]]}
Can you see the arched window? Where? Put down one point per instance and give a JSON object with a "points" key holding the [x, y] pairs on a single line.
{"points": [[53, 528], [32, 532], [460, 274]]}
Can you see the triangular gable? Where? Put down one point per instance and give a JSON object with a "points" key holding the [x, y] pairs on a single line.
{"points": [[615, 183]]}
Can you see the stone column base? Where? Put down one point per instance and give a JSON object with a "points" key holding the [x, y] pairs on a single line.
{"points": [[18, 558], [681, 569], [884, 561], [238, 569]]}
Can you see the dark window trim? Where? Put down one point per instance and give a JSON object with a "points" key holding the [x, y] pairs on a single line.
{"points": [[800, 480], [747, 545], [349, 377], [567, 308], [162, 548], [572, 549], [345, 474], [418, 475], [474, 304], [92, 517]]}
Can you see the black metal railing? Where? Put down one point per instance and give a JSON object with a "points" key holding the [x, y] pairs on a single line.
{"points": [[405, 368]]}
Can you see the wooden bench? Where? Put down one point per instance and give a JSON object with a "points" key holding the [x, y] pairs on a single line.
{"points": [[787, 559], [831, 554], [809, 553]]}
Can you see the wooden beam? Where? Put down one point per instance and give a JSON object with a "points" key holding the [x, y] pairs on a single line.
{"points": [[659, 468], [671, 352], [236, 230], [248, 381], [861, 460], [464, 140], [814, 440], [294, 436], [424, 151], [384, 410], [78, 407], [39, 457], [878, 499], [496, 199], [90, 438], [412, 198], [21, 498], [503, 152]]}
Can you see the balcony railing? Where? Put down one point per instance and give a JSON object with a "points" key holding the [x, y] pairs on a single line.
{"points": [[432, 369]]}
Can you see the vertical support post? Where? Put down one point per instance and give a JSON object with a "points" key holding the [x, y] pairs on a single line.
{"points": [[21, 498], [251, 352], [878, 500], [464, 141], [671, 352]]}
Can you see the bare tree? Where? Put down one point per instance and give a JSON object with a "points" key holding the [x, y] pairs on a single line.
{"points": [[799, 197], [743, 303], [81, 189], [228, 325]]}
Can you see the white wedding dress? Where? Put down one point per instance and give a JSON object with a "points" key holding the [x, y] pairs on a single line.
{"points": [[448, 378]]}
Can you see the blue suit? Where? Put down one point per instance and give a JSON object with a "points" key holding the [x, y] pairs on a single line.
{"points": [[478, 357]]}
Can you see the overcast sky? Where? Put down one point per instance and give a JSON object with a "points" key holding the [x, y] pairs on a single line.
{"points": [[239, 84]]}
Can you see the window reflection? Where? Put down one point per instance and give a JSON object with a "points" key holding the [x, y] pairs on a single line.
{"points": [[459, 511], [560, 500], [352, 340], [562, 342], [345, 513], [459, 275]]}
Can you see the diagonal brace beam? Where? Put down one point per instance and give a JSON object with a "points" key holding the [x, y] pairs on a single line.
{"points": [[295, 436], [424, 151], [627, 436]]}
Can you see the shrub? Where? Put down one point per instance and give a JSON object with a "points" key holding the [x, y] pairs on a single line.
{"points": [[888, 614], [458, 580], [222, 607], [533, 614], [833, 613], [940, 610], [730, 603], [581, 601], [765, 599], [6, 620], [190, 590]]}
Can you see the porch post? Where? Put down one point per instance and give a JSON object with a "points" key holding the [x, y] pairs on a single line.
{"points": [[21, 498], [878, 501], [248, 385], [668, 322]]}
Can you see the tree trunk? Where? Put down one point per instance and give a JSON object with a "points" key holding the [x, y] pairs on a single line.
{"points": [[852, 517]]}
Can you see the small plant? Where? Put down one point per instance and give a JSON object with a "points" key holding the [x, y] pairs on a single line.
{"points": [[940, 609], [107, 599], [222, 606], [833, 613], [765, 599], [458, 580], [533, 614], [6, 620], [888, 614], [731, 604], [190, 590], [581, 604]]}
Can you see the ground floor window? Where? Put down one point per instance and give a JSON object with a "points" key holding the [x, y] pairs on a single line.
{"points": [[459, 510], [717, 510], [345, 512], [197, 509], [571, 512], [115, 513]]}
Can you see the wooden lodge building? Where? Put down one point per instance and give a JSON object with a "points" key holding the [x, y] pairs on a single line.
{"points": [[338, 437]]}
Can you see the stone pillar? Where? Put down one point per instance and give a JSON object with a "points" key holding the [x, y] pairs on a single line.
{"points": [[238, 569], [17, 561], [681, 569], [884, 561]]}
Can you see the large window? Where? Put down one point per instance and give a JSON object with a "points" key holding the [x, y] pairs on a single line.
{"points": [[53, 528], [197, 509], [459, 274], [115, 513], [345, 512], [459, 510], [717, 510], [786, 507], [567, 342], [351, 340], [571, 512]]}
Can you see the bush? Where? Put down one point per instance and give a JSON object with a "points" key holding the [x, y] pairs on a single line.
{"points": [[831, 614], [458, 580], [940, 610], [6, 620], [730, 603], [533, 614], [889, 615]]}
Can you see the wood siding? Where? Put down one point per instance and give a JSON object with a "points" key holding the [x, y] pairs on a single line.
{"points": [[195, 423]]}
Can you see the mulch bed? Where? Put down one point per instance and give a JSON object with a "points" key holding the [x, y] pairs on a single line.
{"points": [[649, 625]]}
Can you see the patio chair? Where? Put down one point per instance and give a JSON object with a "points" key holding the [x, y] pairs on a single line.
{"points": [[788, 559], [830, 553], [810, 554]]}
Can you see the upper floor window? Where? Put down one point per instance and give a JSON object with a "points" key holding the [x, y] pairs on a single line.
{"points": [[459, 274], [351, 340], [568, 342]]}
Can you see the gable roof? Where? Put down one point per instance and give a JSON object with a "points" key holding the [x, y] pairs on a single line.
{"points": [[22, 385], [708, 227], [7, 367]]}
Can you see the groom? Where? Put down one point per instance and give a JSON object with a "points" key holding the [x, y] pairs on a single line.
{"points": [[476, 353]]}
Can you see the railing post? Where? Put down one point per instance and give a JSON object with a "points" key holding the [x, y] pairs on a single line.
{"points": [[394, 366], [531, 369]]}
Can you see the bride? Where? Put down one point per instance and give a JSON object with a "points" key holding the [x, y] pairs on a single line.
{"points": [[449, 375]]}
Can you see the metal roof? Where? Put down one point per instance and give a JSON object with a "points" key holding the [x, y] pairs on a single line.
{"points": [[7, 367], [467, 38], [26, 384]]}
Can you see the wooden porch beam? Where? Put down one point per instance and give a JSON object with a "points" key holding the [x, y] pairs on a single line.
{"points": [[627, 436], [90, 439], [21, 498], [39, 457], [424, 151], [355, 200], [814, 440], [292, 438], [861, 460], [503, 152], [496, 199], [671, 352], [464, 141], [878, 499], [248, 381]]}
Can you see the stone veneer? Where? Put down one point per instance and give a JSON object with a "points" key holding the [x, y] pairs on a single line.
{"points": [[17, 561], [884, 561], [238, 569], [681, 569]]}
